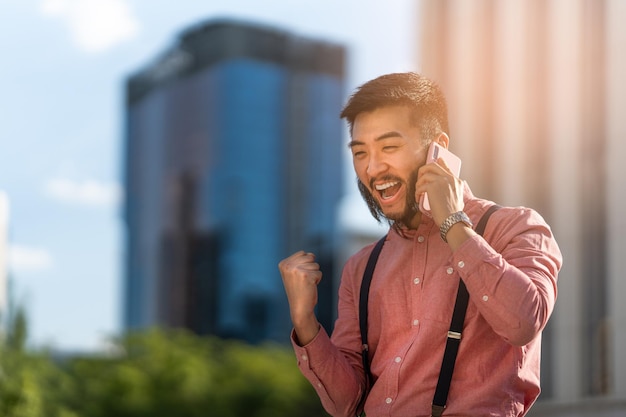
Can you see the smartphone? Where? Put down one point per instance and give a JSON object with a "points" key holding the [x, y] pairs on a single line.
{"points": [[436, 151]]}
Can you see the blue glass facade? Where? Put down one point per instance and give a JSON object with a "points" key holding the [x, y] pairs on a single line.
{"points": [[233, 161]]}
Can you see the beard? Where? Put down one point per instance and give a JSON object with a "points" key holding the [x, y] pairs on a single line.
{"points": [[411, 206]]}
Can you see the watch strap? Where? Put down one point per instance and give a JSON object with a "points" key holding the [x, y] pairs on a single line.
{"points": [[454, 218]]}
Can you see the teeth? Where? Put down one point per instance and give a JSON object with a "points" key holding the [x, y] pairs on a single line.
{"points": [[386, 185]]}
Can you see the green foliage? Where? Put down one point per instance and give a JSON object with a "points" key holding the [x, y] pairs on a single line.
{"points": [[30, 384], [17, 334], [158, 373]]}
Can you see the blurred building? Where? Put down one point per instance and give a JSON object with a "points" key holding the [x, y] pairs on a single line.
{"points": [[537, 92], [233, 162]]}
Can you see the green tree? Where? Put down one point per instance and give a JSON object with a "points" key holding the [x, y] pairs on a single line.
{"points": [[153, 373], [31, 385], [17, 330], [174, 373]]}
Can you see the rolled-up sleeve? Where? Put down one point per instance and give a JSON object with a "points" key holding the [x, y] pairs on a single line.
{"points": [[513, 279]]}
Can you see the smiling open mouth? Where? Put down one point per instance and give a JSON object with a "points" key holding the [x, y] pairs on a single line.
{"points": [[388, 189]]}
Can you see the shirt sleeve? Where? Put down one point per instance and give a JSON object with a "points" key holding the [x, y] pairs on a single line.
{"points": [[513, 278], [333, 366], [334, 382]]}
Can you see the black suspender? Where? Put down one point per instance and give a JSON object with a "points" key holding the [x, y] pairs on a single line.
{"points": [[454, 335], [363, 299]]}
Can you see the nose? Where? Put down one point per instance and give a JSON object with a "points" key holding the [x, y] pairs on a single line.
{"points": [[376, 166]]}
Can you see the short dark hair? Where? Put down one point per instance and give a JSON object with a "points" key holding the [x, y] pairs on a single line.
{"points": [[422, 95]]}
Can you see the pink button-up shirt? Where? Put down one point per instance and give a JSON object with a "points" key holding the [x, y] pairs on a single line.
{"points": [[511, 277]]}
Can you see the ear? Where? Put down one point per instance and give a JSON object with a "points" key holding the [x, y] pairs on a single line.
{"points": [[443, 139]]}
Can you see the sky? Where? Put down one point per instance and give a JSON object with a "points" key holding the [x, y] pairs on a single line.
{"points": [[63, 65]]}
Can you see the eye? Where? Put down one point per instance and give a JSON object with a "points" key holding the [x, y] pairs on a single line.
{"points": [[390, 148], [358, 151]]}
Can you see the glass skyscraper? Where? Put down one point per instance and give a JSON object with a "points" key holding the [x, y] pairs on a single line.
{"points": [[232, 162]]}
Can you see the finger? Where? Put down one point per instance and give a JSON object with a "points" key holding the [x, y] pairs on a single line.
{"points": [[298, 257], [429, 173], [305, 255], [310, 266], [317, 278], [311, 275], [442, 163], [294, 256], [425, 180]]}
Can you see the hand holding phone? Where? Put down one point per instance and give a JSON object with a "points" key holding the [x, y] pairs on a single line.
{"points": [[436, 151]]}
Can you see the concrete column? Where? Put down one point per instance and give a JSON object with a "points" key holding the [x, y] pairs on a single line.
{"points": [[462, 96], [564, 72], [616, 173], [510, 104]]}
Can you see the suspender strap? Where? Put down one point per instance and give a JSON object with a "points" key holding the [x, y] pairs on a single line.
{"points": [[452, 348], [482, 223], [455, 333], [363, 300]]}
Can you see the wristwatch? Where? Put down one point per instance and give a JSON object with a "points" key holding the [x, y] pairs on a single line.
{"points": [[453, 219]]}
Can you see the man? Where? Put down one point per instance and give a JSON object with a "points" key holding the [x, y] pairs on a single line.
{"points": [[510, 275]]}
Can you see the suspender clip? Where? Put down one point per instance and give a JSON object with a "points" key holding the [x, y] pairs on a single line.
{"points": [[454, 335]]}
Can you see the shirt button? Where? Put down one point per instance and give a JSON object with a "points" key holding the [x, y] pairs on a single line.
{"points": [[388, 400], [319, 385], [397, 359], [461, 264], [420, 239], [485, 297], [304, 357], [416, 322], [450, 270], [416, 281]]}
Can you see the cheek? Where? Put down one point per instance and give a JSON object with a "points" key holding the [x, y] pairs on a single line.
{"points": [[360, 168], [411, 166]]}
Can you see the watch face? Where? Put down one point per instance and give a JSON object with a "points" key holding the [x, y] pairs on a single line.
{"points": [[463, 218]]}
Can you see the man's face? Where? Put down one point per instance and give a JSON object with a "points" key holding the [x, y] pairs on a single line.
{"points": [[387, 151]]}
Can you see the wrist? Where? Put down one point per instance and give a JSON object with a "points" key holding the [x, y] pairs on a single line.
{"points": [[451, 220], [306, 331]]}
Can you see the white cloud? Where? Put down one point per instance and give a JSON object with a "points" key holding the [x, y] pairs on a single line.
{"points": [[84, 192], [29, 259], [95, 25]]}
